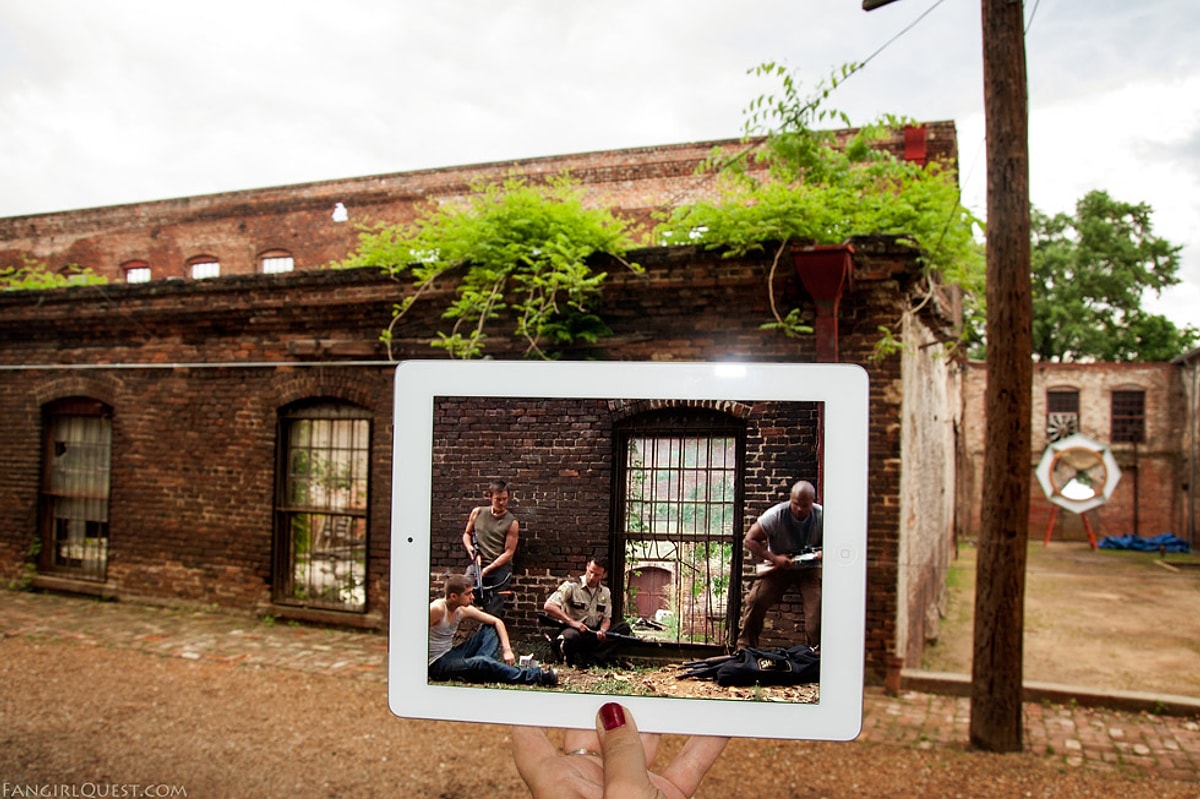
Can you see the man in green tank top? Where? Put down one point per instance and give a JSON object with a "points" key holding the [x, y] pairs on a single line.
{"points": [[490, 539]]}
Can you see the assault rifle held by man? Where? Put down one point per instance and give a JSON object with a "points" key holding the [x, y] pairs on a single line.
{"points": [[808, 558]]}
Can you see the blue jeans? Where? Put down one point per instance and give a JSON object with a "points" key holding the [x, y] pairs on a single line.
{"points": [[477, 659]]}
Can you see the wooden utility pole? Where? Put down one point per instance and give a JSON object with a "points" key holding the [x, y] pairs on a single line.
{"points": [[996, 675], [999, 657]]}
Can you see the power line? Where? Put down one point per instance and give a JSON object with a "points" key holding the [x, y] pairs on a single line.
{"points": [[905, 30]]}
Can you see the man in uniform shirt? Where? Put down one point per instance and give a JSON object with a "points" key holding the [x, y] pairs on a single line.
{"points": [[777, 537], [495, 531], [584, 607]]}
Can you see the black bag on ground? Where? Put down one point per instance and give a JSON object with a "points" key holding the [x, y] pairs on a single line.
{"points": [[795, 666]]}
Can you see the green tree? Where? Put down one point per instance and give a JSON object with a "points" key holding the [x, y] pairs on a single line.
{"points": [[515, 246], [1091, 271], [816, 188]]}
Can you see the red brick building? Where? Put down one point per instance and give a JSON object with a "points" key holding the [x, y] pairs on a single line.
{"points": [[1139, 410], [309, 225], [228, 440]]}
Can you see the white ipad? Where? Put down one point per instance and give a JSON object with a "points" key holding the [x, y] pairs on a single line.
{"points": [[661, 467]]}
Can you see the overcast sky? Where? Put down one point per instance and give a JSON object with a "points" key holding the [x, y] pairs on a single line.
{"points": [[115, 101]]}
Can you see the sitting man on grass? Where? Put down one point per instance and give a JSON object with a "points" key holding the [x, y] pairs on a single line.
{"points": [[582, 608], [487, 655]]}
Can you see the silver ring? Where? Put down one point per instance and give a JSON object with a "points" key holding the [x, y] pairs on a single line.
{"points": [[584, 752]]}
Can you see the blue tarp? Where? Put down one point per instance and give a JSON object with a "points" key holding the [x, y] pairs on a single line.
{"points": [[1166, 542]]}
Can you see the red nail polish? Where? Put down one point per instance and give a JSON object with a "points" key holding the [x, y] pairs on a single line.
{"points": [[612, 716]]}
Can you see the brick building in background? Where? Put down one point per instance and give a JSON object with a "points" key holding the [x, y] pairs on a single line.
{"points": [[307, 226], [1140, 410], [229, 439]]}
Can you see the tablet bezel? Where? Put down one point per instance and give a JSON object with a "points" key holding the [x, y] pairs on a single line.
{"points": [[843, 390]]}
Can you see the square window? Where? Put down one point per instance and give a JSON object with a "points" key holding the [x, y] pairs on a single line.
{"points": [[1128, 417], [1062, 413], [278, 264], [137, 274]]}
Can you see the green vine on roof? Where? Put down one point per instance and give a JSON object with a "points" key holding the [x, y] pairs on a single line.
{"points": [[814, 189], [516, 247], [35, 275]]}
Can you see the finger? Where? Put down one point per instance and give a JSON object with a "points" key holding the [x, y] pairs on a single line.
{"points": [[650, 746], [574, 740], [625, 772], [532, 750], [548, 773], [688, 768]]}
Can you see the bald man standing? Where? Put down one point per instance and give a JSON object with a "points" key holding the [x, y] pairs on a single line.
{"points": [[776, 538]]}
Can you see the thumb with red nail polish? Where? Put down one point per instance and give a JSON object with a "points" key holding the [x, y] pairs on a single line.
{"points": [[625, 769]]}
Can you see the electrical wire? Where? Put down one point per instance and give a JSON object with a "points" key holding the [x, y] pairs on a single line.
{"points": [[903, 31]]}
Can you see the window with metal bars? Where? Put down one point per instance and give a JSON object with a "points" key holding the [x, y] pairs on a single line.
{"points": [[321, 507], [1128, 417], [679, 501], [73, 506], [1062, 413]]}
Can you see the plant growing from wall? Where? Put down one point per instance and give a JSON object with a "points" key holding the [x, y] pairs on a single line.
{"points": [[514, 246], [812, 188], [34, 275]]}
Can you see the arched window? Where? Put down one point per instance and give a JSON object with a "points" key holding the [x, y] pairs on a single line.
{"points": [[321, 506], [202, 267], [274, 262], [136, 271], [73, 497]]}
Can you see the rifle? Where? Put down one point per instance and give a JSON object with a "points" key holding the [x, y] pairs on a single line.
{"points": [[807, 558], [549, 621], [477, 562]]}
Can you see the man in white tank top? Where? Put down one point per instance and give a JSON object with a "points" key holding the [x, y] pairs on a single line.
{"points": [[487, 655]]}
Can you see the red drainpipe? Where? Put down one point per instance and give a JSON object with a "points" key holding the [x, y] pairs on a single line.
{"points": [[916, 139], [825, 270]]}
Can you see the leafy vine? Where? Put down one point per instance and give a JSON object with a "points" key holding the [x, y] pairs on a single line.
{"points": [[518, 247], [814, 188]]}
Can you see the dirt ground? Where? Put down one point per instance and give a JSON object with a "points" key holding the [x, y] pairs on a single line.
{"points": [[1103, 619], [75, 713]]}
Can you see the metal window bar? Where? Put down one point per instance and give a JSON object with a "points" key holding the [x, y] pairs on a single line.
{"points": [[324, 512], [679, 515], [1129, 416], [76, 494]]}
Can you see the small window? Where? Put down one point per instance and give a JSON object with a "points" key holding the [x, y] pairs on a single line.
{"points": [[1128, 417], [274, 263], [136, 272], [73, 275], [1062, 413], [205, 268]]}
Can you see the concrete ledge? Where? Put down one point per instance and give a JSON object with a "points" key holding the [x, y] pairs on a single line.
{"points": [[936, 682], [69, 585], [335, 618]]}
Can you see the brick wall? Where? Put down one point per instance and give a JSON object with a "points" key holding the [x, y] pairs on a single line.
{"points": [[195, 434], [557, 457], [1149, 498], [237, 228]]}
